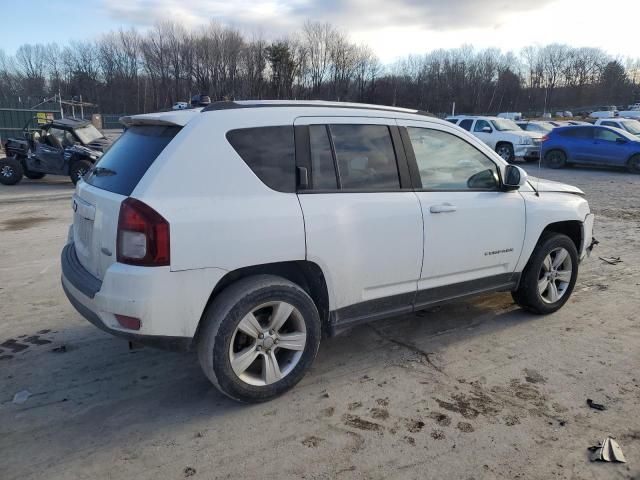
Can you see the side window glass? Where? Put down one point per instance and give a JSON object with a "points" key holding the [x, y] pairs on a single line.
{"points": [[269, 152], [447, 162], [480, 125], [365, 157], [466, 124], [606, 135], [609, 124], [323, 171]]}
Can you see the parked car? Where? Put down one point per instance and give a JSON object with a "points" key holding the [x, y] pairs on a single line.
{"points": [[511, 115], [250, 230], [604, 114], [180, 106], [629, 125], [536, 126], [635, 114], [502, 135], [68, 146], [594, 145], [634, 106]]}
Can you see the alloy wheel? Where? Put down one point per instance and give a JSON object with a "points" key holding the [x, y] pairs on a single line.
{"points": [[7, 171], [555, 275], [267, 343]]}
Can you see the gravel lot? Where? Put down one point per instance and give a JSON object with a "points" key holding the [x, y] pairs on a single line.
{"points": [[477, 389]]}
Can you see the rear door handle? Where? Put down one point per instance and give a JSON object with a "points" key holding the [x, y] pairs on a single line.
{"points": [[442, 208]]}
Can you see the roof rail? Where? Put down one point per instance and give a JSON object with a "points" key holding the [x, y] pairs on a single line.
{"points": [[231, 105]]}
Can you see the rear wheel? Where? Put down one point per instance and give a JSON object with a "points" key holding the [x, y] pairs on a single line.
{"points": [[555, 159], [79, 169], [549, 277], [259, 337], [10, 171], [634, 164], [505, 150]]}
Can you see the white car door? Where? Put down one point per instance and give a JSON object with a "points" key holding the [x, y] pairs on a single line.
{"points": [[473, 231], [362, 227], [485, 132]]}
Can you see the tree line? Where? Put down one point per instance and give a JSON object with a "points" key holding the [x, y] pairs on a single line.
{"points": [[128, 71]]}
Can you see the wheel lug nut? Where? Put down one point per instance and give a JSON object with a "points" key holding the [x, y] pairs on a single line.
{"points": [[258, 348], [272, 332], [261, 336]]}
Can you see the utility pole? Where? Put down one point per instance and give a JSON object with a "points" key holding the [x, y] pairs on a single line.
{"points": [[453, 109], [81, 108], [60, 101]]}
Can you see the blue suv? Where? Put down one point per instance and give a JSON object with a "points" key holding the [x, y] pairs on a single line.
{"points": [[591, 145]]}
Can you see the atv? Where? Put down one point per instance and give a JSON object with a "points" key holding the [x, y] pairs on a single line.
{"points": [[67, 146]]}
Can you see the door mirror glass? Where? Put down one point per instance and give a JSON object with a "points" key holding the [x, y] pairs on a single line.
{"points": [[486, 129], [514, 177], [484, 180]]}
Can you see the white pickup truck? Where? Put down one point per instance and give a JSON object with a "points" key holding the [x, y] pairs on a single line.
{"points": [[502, 135], [627, 124]]}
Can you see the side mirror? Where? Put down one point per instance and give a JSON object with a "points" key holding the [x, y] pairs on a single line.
{"points": [[486, 130], [514, 177]]}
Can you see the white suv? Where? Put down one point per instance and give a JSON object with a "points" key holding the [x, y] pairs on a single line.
{"points": [[503, 135], [250, 230]]}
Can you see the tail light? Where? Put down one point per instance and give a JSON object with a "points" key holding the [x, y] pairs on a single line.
{"points": [[143, 235], [545, 138]]}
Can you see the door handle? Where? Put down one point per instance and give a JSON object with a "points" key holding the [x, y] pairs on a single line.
{"points": [[442, 208]]}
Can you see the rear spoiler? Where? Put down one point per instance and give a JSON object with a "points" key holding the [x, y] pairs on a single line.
{"points": [[132, 120], [178, 118]]}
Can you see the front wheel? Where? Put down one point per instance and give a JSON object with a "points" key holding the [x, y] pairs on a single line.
{"points": [[634, 164], [505, 150], [259, 337], [549, 277], [10, 171], [79, 169]]}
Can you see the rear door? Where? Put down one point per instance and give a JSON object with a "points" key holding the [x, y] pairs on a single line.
{"points": [[473, 231], [96, 202], [363, 222]]}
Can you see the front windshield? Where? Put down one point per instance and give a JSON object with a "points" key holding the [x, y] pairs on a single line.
{"points": [[504, 125], [88, 134], [632, 126]]}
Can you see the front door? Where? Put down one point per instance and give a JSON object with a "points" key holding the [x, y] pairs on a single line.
{"points": [[363, 225], [49, 154], [473, 231]]}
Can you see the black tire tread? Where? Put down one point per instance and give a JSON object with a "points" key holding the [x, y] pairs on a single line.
{"points": [[216, 314], [526, 295]]}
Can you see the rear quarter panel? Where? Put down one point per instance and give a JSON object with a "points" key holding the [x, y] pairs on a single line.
{"points": [[220, 213]]}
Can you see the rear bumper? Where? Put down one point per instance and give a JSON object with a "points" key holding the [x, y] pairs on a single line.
{"points": [[168, 304]]}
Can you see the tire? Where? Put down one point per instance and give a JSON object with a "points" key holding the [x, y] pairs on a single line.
{"points": [[78, 169], [536, 296], [222, 337], [505, 150], [633, 165], [555, 159], [10, 171]]}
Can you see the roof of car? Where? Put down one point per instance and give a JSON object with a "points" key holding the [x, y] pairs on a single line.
{"points": [[182, 117]]}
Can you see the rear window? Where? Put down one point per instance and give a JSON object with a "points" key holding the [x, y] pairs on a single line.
{"points": [[125, 163], [269, 152]]}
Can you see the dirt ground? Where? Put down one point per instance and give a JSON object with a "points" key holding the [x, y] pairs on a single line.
{"points": [[473, 390]]}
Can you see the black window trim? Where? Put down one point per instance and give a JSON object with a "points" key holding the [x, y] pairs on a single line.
{"points": [[415, 172], [303, 159]]}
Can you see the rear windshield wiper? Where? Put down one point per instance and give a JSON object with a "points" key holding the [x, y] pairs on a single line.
{"points": [[100, 171]]}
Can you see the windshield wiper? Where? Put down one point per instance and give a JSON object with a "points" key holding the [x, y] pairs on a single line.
{"points": [[103, 171]]}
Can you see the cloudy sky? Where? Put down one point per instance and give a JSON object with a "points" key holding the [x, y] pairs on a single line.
{"points": [[393, 28]]}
